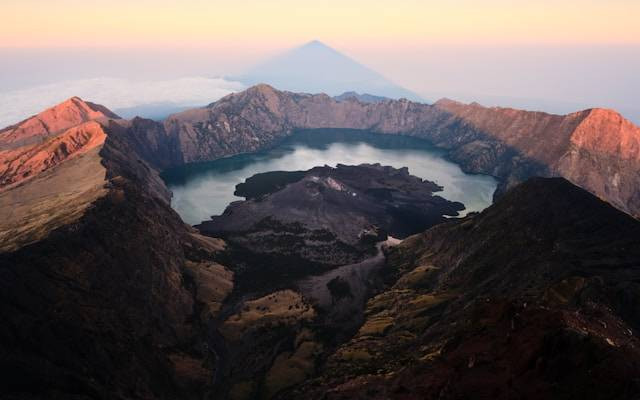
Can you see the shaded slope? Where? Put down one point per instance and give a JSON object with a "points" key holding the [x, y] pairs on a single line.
{"points": [[536, 297], [105, 293]]}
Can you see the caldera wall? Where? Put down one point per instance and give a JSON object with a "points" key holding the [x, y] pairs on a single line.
{"points": [[596, 149]]}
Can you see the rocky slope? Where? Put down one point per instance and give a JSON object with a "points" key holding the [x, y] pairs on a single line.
{"points": [[38, 143], [306, 250], [59, 118], [596, 149], [104, 292], [29, 160], [536, 297]]}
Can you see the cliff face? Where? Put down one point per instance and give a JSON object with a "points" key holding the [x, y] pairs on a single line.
{"points": [[604, 156], [535, 297], [105, 293], [596, 149], [536, 135]]}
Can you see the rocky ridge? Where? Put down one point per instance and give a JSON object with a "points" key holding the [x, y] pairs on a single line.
{"points": [[59, 118], [596, 149], [106, 293], [364, 97]]}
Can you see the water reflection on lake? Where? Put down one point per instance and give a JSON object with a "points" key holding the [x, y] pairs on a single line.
{"points": [[204, 189]]}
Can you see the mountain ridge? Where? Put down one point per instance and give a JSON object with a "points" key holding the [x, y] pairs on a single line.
{"points": [[597, 148], [53, 120], [104, 289], [106, 292], [507, 143], [363, 97]]}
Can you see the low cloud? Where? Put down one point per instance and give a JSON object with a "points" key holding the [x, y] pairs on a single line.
{"points": [[116, 94]]}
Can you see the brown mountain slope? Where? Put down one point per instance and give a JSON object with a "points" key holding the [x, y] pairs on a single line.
{"points": [[104, 292], [43, 141], [596, 149], [48, 180], [537, 297], [29, 160], [539, 136], [605, 145]]}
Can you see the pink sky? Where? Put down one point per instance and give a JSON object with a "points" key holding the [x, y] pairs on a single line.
{"points": [[506, 52]]}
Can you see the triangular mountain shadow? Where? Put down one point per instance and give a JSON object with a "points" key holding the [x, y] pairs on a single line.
{"points": [[317, 68]]}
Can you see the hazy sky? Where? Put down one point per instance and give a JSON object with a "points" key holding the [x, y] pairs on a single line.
{"points": [[282, 22], [522, 52]]}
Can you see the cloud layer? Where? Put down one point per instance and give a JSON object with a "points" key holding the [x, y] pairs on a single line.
{"points": [[115, 94]]}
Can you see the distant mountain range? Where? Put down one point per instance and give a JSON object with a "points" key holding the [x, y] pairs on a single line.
{"points": [[364, 97], [317, 68]]}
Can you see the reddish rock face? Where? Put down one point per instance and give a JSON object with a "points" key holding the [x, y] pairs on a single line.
{"points": [[604, 157], [607, 132], [540, 136], [596, 149], [54, 120], [27, 161], [43, 141]]}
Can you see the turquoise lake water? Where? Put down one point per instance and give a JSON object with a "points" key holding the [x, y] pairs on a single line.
{"points": [[204, 189]]}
